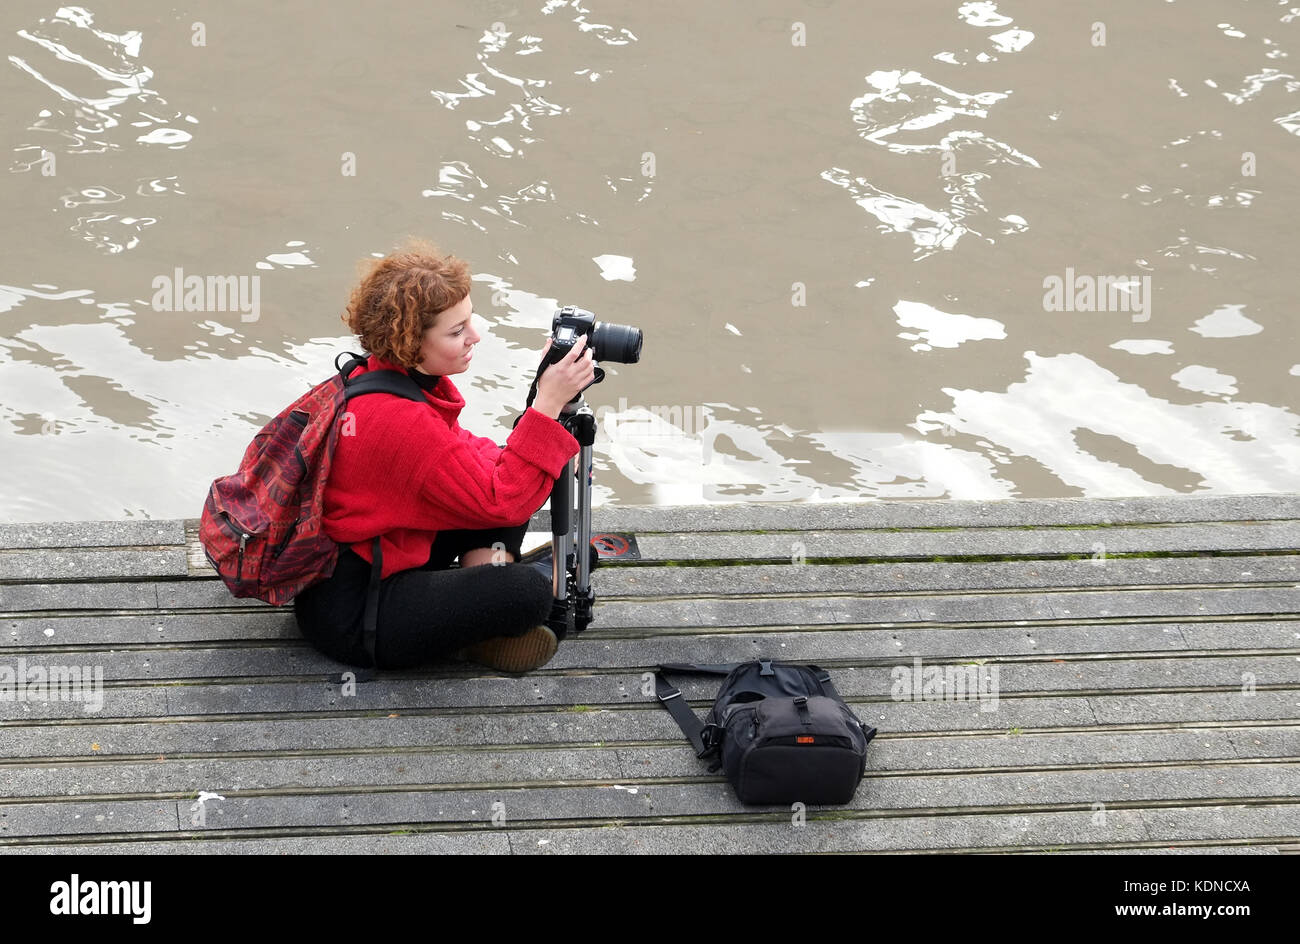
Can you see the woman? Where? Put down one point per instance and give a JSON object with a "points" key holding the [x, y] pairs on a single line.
{"points": [[407, 473]]}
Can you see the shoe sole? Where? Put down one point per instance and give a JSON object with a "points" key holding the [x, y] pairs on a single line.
{"points": [[523, 653]]}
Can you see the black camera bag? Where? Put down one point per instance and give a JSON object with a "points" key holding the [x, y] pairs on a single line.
{"points": [[779, 731]]}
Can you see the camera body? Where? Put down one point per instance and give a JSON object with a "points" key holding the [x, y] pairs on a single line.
{"points": [[608, 342]]}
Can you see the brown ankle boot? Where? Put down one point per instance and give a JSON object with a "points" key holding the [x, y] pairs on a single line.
{"points": [[532, 650]]}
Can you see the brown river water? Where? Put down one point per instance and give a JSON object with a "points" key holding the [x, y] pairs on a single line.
{"points": [[913, 250]]}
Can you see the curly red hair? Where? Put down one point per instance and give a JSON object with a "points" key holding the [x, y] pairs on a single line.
{"points": [[400, 297]]}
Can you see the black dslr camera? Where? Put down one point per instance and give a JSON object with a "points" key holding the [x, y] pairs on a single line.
{"points": [[608, 342]]}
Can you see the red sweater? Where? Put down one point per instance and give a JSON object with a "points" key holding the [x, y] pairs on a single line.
{"points": [[409, 471]]}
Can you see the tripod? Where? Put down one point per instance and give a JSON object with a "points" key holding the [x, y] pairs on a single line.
{"points": [[571, 561], [571, 525], [571, 593]]}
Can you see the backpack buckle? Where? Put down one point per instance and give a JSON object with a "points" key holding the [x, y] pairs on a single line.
{"points": [[709, 737], [765, 667]]}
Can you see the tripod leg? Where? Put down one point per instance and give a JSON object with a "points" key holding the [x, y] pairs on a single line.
{"points": [[561, 619]]}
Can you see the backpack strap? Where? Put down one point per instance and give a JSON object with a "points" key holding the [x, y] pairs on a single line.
{"points": [[370, 624], [696, 731], [671, 698], [384, 381], [400, 385], [376, 381]]}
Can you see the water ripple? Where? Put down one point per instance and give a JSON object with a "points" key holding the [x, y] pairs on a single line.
{"points": [[1238, 447], [94, 72], [930, 229], [902, 104], [509, 132], [88, 117]]}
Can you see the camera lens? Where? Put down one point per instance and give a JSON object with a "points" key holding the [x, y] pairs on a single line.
{"points": [[615, 342]]}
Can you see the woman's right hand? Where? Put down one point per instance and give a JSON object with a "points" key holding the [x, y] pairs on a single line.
{"points": [[564, 379]]}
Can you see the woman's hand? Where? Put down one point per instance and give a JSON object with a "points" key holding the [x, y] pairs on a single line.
{"points": [[564, 379]]}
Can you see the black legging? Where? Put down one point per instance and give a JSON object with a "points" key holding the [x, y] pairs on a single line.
{"points": [[425, 613]]}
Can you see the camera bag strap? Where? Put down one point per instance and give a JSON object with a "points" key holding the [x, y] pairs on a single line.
{"points": [[671, 698]]}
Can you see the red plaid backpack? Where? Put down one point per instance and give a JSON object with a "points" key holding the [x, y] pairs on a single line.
{"points": [[261, 527]]}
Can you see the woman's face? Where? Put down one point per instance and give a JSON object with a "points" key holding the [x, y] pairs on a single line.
{"points": [[447, 345]]}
